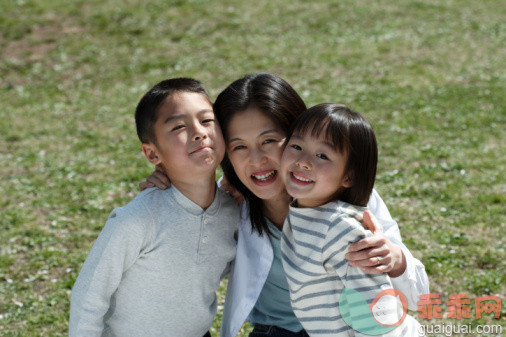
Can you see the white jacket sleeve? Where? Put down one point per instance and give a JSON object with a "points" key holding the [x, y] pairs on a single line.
{"points": [[414, 281], [114, 251]]}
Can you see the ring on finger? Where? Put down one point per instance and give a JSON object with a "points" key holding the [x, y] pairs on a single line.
{"points": [[378, 259]]}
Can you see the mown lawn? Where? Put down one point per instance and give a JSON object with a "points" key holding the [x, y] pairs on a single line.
{"points": [[429, 75]]}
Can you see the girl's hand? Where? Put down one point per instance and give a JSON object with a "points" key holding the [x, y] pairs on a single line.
{"points": [[376, 254], [158, 178], [225, 185]]}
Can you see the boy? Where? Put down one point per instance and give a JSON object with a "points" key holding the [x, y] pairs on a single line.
{"points": [[155, 267]]}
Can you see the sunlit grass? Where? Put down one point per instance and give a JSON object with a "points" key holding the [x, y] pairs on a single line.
{"points": [[428, 75]]}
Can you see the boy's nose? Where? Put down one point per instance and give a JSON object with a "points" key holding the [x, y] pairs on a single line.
{"points": [[199, 133]]}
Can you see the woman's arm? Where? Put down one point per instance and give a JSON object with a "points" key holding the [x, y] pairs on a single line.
{"points": [[156, 179], [407, 273]]}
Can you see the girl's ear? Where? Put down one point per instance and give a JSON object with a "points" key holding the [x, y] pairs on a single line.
{"points": [[151, 152], [348, 181]]}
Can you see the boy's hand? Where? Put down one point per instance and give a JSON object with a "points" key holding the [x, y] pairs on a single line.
{"points": [[376, 254], [225, 185], [158, 178]]}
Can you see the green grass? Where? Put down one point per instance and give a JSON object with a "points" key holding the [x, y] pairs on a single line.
{"points": [[428, 75]]}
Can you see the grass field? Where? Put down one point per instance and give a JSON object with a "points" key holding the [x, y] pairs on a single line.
{"points": [[429, 75]]}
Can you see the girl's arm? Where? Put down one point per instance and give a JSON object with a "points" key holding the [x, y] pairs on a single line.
{"points": [[407, 273]]}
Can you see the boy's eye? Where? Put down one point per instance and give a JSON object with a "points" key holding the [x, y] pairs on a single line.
{"points": [[296, 147], [322, 156]]}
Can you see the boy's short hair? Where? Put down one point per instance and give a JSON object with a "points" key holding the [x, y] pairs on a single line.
{"points": [[146, 112]]}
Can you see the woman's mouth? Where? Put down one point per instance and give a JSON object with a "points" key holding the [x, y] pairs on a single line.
{"points": [[264, 177]]}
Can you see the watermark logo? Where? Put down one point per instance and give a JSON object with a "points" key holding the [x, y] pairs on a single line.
{"points": [[458, 306], [386, 312]]}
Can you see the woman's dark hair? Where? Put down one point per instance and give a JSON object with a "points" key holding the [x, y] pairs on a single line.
{"points": [[277, 100], [353, 136], [146, 112]]}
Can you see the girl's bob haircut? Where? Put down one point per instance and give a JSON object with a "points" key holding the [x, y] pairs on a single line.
{"points": [[352, 136]]}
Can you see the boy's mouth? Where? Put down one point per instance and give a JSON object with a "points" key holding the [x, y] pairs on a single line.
{"points": [[264, 177], [300, 179], [201, 149]]}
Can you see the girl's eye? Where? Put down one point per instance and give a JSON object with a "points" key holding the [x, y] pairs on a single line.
{"points": [[238, 147], [177, 127], [322, 156], [296, 147]]}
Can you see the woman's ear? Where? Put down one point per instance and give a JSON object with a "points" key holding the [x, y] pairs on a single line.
{"points": [[151, 152]]}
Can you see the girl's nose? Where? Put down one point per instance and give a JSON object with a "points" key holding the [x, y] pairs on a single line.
{"points": [[304, 164]]}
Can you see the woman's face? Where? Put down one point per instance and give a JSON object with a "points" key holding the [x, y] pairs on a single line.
{"points": [[254, 146]]}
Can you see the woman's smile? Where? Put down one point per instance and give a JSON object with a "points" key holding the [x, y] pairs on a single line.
{"points": [[255, 146]]}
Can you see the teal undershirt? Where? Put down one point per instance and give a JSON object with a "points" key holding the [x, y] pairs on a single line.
{"points": [[273, 305]]}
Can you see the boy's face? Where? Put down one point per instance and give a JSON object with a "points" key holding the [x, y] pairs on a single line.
{"points": [[313, 170], [190, 142]]}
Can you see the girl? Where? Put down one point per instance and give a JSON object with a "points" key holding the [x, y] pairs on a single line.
{"points": [[329, 167]]}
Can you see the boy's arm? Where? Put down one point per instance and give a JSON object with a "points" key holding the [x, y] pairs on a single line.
{"points": [[114, 251], [414, 281]]}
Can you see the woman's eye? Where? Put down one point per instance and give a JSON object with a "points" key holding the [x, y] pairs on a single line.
{"points": [[268, 141], [238, 147], [296, 147], [322, 156], [207, 121]]}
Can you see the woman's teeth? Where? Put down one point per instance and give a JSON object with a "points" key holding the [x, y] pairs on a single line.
{"points": [[264, 176]]}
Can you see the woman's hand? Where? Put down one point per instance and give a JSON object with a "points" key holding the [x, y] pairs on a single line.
{"points": [[158, 178], [225, 185], [376, 254]]}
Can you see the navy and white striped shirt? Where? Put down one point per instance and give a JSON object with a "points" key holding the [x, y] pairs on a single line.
{"points": [[313, 246]]}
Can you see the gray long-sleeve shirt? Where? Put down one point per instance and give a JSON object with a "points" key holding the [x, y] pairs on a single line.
{"points": [[155, 268]]}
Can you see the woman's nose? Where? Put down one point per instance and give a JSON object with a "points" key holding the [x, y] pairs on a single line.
{"points": [[256, 157]]}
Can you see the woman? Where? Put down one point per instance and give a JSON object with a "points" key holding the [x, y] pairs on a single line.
{"points": [[255, 114]]}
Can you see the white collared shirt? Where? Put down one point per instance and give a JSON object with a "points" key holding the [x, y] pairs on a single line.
{"points": [[254, 258]]}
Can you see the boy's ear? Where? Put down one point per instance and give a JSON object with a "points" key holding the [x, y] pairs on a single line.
{"points": [[151, 152]]}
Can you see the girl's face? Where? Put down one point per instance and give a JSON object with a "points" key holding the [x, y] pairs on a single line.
{"points": [[313, 170], [255, 146]]}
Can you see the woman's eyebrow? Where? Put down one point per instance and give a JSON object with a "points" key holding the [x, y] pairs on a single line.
{"points": [[260, 135], [268, 131]]}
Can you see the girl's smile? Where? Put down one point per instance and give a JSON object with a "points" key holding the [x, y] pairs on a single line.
{"points": [[313, 170]]}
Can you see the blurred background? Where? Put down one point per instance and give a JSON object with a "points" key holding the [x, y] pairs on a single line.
{"points": [[429, 76]]}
